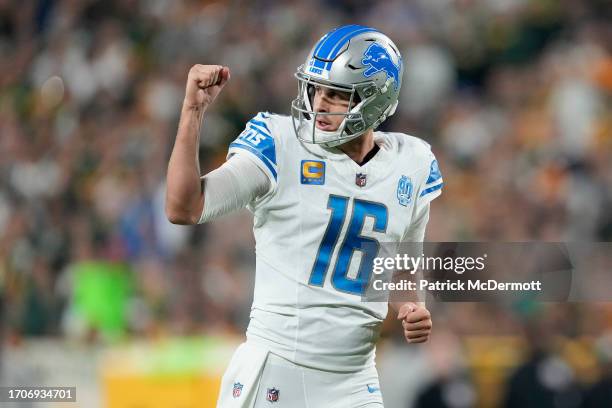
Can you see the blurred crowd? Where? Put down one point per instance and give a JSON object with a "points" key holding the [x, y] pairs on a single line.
{"points": [[514, 96]]}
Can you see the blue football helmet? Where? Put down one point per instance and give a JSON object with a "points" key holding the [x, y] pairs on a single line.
{"points": [[354, 59]]}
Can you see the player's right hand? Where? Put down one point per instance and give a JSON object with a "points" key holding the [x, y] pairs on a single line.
{"points": [[204, 83], [416, 322]]}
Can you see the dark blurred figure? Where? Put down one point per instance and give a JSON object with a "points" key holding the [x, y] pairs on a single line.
{"points": [[600, 393], [452, 385], [454, 392], [545, 380]]}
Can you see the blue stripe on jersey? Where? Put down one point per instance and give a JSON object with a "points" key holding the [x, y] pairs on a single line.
{"points": [[431, 189], [255, 141], [434, 173], [261, 124], [259, 155], [259, 140]]}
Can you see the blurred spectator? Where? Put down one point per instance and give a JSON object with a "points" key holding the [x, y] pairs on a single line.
{"points": [[600, 393], [545, 379], [451, 386]]}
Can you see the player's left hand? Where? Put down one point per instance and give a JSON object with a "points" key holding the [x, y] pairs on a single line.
{"points": [[416, 321]]}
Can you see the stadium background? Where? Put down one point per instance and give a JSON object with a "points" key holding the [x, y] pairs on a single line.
{"points": [[100, 291]]}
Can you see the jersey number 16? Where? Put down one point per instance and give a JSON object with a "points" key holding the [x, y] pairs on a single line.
{"points": [[353, 241]]}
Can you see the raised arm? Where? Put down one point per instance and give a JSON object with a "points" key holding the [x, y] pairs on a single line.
{"points": [[185, 189]]}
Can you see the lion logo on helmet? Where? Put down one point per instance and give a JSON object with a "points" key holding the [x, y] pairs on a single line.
{"points": [[377, 59]]}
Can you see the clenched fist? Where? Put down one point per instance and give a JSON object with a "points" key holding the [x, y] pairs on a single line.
{"points": [[204, 83], [416, 322]]}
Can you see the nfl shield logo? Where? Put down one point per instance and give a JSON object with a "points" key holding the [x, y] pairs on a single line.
{"points": [[272, 394], [360, 179], [237, 390]]}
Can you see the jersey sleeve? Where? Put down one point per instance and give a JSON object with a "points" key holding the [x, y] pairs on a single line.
{"points": [[258, 142], [416, 231], [431, 185], [232, 186]]}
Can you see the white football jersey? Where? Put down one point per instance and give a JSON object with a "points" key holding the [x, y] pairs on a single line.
{"points": [[309, 228]]}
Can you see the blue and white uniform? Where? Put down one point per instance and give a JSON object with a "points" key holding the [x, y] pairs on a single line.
{"points": [[313, 213]]}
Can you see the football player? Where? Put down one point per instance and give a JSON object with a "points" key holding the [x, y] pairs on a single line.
{"points": [[322, 184]]}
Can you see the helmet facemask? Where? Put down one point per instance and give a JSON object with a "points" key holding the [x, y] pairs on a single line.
{"points": [[304, 117]]}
